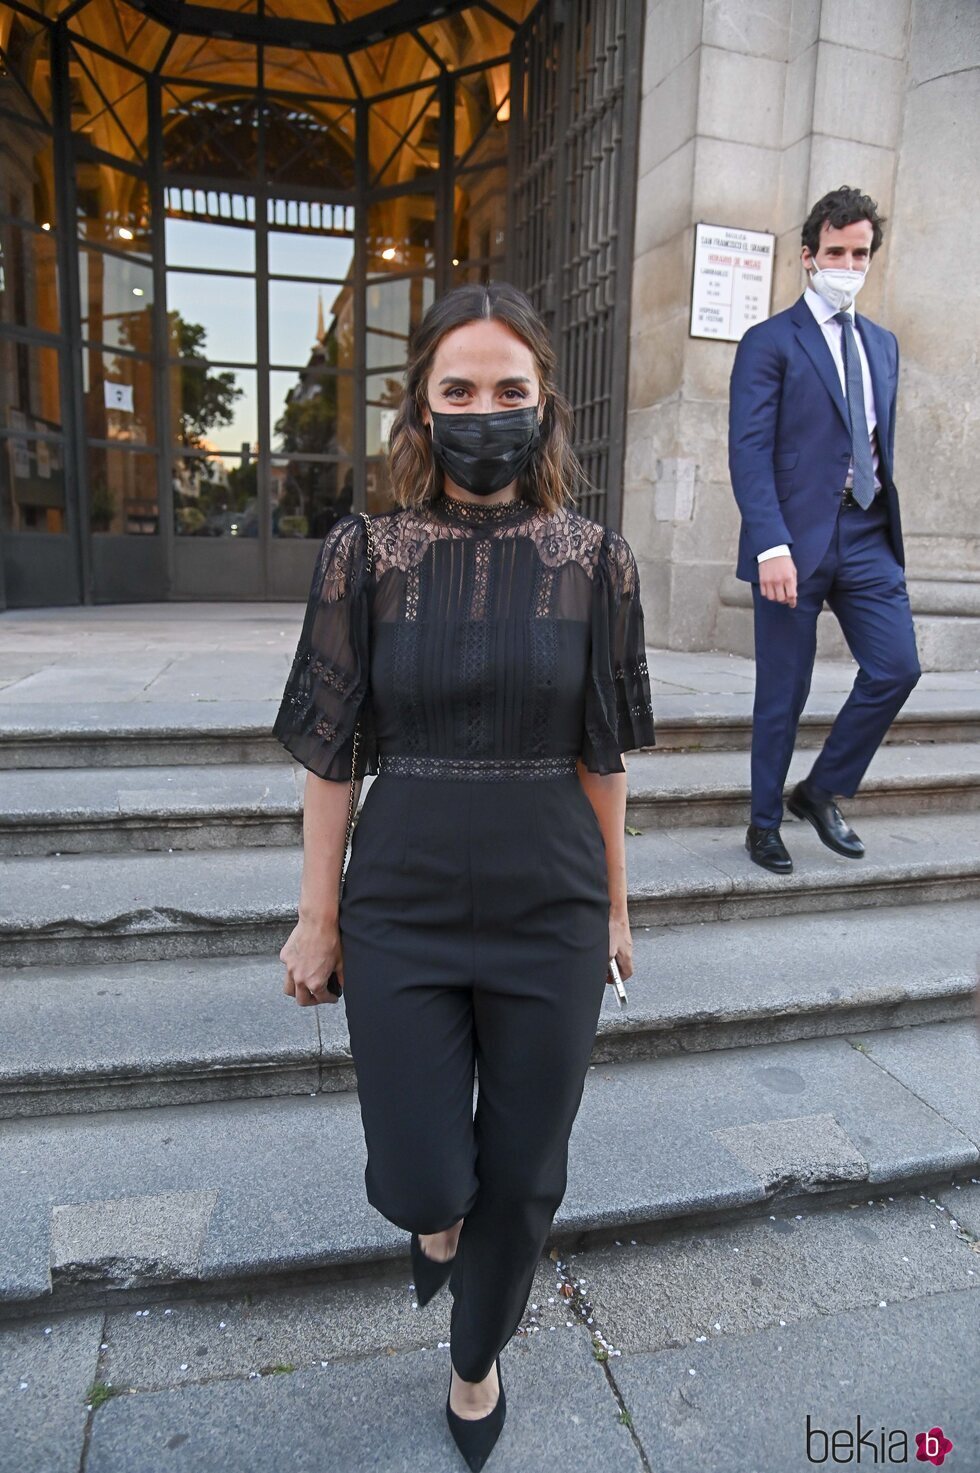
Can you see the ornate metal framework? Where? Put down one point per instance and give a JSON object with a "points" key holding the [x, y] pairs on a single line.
{"points": [[429, 143]]}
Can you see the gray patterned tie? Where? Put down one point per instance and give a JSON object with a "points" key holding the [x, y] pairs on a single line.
{"points": [[864, 471]]}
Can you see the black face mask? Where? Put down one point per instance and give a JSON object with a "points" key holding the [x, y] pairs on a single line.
{"points": [[483, 453]]}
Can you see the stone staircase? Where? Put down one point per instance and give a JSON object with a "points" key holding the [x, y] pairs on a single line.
{"points": [[946, 612], [171, 1120]]}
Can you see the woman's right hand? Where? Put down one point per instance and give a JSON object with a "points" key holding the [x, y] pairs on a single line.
{"points": [[312, 952]]}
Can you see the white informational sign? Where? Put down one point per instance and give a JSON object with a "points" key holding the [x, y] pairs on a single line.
{"points": [[732, 281], [119, 396]]}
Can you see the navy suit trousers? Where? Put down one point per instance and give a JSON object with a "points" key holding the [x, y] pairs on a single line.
{"points": [[863, 583]]}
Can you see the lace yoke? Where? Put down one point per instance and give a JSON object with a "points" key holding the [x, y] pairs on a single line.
{"points": [[484, 636]]}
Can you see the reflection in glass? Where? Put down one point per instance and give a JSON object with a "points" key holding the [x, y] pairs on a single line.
{"points": [[27, 57], [314, 140], [133, 34], [30, 386], [211, 136], [403, 137], [307, 497], [118, 394], [27, 176], [222, 306], [204, 243], [393, 309], [462, 38], [116, 299], [401, 235], [32, 481], [113, 208], [379, 497], [482, 114], [193, 58], [122, 487], [384, 394], [390, 63], [306, 319], [480, 223], [28, 277], [108, 105], [317, 72], [215, 496], [213, 408], [319, 244], [312, 412]]}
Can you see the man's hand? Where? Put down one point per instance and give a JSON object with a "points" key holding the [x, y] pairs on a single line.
{"points": [[777, 580]]}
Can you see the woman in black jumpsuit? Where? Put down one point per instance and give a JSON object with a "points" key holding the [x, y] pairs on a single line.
{"points": [[496, 644]]}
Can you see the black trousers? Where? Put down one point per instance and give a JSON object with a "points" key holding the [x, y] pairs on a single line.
{"points": [[475, 931]]}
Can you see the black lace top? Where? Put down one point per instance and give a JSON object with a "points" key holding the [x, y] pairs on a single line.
{"points": [[484, 631]]}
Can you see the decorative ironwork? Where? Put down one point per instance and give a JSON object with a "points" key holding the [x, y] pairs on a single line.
{"points": [[573, 128]]}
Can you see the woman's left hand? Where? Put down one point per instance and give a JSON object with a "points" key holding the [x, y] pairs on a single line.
{"points": [[621, 946]]}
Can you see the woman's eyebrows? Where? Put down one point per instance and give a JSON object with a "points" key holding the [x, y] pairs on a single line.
{"points": [[467, 383]]}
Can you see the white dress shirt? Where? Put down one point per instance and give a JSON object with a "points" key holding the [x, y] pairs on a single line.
{"points": [[833, 331]]}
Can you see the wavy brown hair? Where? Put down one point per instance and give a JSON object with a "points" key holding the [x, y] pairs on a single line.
{"points": [[554, 475]]}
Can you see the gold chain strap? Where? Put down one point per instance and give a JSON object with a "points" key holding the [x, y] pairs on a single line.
{"points": [[357, 729]]}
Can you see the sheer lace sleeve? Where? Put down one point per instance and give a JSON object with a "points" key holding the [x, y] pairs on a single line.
{"points": [[328, 686], [618, 706]]}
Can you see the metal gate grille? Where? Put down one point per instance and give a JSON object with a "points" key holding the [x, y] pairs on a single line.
{"points": [[575, 89]]}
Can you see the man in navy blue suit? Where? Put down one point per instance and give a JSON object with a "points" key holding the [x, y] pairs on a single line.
{"points": [[811, 442]]}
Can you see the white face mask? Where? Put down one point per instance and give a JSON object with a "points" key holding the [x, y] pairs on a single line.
{"points": [[837, 285]]}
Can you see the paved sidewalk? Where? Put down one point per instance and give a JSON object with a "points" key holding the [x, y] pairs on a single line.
{"points": [[184, 653], [704, 1350]]}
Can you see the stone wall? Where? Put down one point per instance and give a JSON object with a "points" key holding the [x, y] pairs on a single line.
{"points": [[751, 109]]}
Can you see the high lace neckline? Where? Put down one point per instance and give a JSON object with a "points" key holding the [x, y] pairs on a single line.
{"points": [[479, 514]]}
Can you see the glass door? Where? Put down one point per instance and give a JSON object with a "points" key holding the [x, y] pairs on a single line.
{"points": [[311, 429], [213, 374], [38, 514]]}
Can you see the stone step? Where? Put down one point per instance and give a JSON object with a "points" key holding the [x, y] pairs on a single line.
{"points": [[135, 734], [227, 806], [102, 810], [131, 734], [218, 1194], [119, 1035], [671, 788], [946, 613], [140, 907]]}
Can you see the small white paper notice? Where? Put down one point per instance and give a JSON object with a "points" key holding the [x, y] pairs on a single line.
{"points": [[732, 286], [119, 396]]}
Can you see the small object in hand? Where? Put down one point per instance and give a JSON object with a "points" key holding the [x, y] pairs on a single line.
{"points": [[333, 985], [617, 982]]}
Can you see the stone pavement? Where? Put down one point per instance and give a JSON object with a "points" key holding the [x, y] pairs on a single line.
{"points": [[176, 653], [702, 1351]]}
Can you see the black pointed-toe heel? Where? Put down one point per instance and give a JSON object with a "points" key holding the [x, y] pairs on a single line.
{"points": [[476, 1436], [430, 1273]]}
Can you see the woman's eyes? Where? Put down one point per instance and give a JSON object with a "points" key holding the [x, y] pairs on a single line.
{"points": [[451, 393]]}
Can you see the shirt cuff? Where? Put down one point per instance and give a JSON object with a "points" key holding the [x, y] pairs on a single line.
{"points": [[781, 551]]}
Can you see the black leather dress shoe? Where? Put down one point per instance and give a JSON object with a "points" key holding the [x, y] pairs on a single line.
{"points": [[767, 848], [828, 821]]}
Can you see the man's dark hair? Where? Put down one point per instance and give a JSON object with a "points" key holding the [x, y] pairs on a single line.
{"points": [[842, 207]]}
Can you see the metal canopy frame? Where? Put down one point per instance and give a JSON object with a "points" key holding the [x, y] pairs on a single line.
{"points": [[574, 103]]}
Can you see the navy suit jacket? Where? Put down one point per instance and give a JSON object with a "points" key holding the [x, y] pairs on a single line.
{"points": [[789, 436]]}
